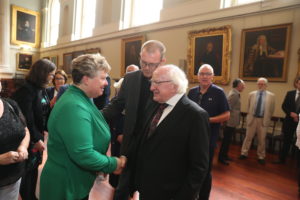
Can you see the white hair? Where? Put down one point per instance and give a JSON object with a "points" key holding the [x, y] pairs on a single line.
{"points": [[206, 66], [263, 79], [178, 77]]}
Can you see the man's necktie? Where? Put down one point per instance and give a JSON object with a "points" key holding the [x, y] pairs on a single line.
{"points": [[297, 103], [258, 105], [156, 118]]}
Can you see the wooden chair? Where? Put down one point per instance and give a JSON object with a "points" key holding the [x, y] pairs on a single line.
{"points": [[277, 136], [271, 133]]}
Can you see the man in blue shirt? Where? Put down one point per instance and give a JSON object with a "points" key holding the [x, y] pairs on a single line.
{"points": [[212, 99]]}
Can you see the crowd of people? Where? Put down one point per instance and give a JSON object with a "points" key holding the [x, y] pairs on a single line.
{"points": [[163, 137]]}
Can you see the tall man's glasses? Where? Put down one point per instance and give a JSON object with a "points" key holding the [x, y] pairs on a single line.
{"points": [[150, 65]]}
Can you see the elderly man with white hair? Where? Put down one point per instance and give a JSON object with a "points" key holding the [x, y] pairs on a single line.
{"points": [[261, 105], [172, 160]]}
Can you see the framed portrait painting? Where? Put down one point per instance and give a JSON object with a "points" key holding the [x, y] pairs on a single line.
{"points": [[54, 59], [67, 60], [264, 52], [24, 61], [25, 27], [210, 46], [130, 53]]}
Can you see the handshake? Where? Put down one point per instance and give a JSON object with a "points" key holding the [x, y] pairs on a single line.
{"points": [[121, 163]]}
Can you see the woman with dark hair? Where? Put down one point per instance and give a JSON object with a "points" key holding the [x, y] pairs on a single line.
{"points": [[78, 135], [59, 80], [35, 105], [14, 141]]}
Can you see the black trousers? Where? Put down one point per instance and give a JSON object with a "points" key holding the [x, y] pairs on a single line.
{"points": [[227, 133], [123, 190], [204, 192], [28, 185], [288, 136]]}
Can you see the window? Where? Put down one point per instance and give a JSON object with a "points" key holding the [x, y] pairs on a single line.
{"points": [[140, 12], [84, 18], [230, 3], [52, 22]]}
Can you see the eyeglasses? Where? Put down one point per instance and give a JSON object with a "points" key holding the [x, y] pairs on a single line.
{"points": [[59, 79], [158, 82], [205, 73], [150, 65]]}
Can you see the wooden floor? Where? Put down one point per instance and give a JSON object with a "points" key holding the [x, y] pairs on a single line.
{"points": [[248, 180], [242, 180]]}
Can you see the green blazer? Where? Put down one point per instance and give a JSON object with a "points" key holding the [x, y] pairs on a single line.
{"points": [[78, 140]]}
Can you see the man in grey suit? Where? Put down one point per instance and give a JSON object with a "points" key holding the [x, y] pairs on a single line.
{"points": [[136, 98], [261, 104], [234, 102]]}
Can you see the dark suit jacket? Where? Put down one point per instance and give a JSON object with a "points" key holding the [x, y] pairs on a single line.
{"points": [[128, 99], [288, 106], [173, 162]]}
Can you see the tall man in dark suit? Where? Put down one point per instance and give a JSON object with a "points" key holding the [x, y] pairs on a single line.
{"points": [[172, 159], [213, 100], [291, 107], [136, 98]]}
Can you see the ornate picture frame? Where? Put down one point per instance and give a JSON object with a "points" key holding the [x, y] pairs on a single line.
{"points": [[67, 60], [211, 46], [25, 27], [54, 59], [130, 51], [264, 52], [24, 61]]}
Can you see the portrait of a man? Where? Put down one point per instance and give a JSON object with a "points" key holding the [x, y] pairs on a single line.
{"points": [[209, 51], [24, 61], [130, 53], [264, 53], [25, 27], [210, 46]]}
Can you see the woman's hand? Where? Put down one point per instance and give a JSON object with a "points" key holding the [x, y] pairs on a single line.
{"points": [[9, 158], [121, 163], [23, 153], [40, 146], [52, 102]]}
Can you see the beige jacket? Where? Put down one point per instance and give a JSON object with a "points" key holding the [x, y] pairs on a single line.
{"points": [[235, 108], [269, 106]]}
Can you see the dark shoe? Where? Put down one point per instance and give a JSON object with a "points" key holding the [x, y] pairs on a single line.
{"points": [[242, 157], [261, 161], [278, 162], [224, 162]]}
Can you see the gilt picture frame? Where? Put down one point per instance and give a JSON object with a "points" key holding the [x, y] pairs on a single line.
{"points": [[25, 27], [24, 61], [130, 51], [210, 46], [264, 52]]}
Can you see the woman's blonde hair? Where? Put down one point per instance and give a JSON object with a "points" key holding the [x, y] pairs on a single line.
{"points": [[88, 65]]}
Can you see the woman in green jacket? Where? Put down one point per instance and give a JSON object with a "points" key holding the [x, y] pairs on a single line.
{"points": [[78, 135]]}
